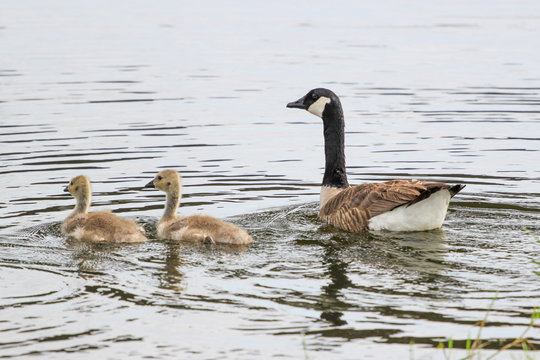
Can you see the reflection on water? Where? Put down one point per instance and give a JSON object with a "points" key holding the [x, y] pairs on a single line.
{"points": [[431, 91], [337, 274], [172, 278]]}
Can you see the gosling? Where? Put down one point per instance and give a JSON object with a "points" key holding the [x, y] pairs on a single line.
{"points": [[98, 226], [196, 228]]}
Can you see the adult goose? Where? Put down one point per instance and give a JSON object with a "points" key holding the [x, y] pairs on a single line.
{"points": [[396, 205], [97, 226], [195, 228]]}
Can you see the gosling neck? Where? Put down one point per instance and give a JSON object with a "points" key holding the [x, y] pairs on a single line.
{"points": [[83, 203], [334, 146], [171, 206]]}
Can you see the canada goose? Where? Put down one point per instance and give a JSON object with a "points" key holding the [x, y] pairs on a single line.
{"points": [[97, 226], [396, 205], [196, 228]]}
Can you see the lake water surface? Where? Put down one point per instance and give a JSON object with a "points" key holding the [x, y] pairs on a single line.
{"points": [[120, 90]]}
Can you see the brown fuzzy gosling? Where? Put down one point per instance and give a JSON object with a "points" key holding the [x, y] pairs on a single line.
{"points": [[97, 226], [196, 228]]}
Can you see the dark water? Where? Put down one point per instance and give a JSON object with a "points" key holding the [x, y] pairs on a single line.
{"points": [[119, 90]]}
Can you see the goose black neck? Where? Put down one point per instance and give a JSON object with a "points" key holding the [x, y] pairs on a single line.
{"points": [[334, 147]]}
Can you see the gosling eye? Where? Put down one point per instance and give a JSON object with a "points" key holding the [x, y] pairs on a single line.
{"points": [[76, 188], [159, 177], [168, 183], [71, 183]]}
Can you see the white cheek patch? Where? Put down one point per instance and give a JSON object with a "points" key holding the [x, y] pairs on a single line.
{"points": [[317, 107]]}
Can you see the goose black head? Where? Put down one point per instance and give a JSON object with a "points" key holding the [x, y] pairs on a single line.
{"points": [[318, 102]]}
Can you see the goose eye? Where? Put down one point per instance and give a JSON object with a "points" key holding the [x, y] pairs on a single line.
{"points": [[159, 178], [314, 96]]}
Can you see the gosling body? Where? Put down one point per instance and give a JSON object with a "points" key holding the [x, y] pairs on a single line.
{"points": [[98, 226], [196, 228], [396, 205]]}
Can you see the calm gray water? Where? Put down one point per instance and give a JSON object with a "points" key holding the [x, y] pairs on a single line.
{"points": [[120, 90]]}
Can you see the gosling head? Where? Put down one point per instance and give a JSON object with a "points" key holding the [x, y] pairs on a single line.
{"points": [[320, 102], [79, 187], [81, 190], [166, 180]]}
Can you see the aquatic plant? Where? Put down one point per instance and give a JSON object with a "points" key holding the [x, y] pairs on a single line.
{"points": [[473, 347]]}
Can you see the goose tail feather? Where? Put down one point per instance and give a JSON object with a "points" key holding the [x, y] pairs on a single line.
{"points": [[455, 189]]}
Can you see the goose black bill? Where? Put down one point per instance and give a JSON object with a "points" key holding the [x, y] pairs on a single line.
{"points": [[298, 104], [150, 185]]}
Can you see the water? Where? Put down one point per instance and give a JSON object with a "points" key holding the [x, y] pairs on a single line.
{"points": [[120, 90]]}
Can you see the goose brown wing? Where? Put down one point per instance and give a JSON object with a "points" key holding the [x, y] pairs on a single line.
{"points": [[352, 208]]}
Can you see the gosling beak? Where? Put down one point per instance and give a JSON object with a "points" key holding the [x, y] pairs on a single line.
{"points": [[150, 185], [298, 104], [66, 189]]}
